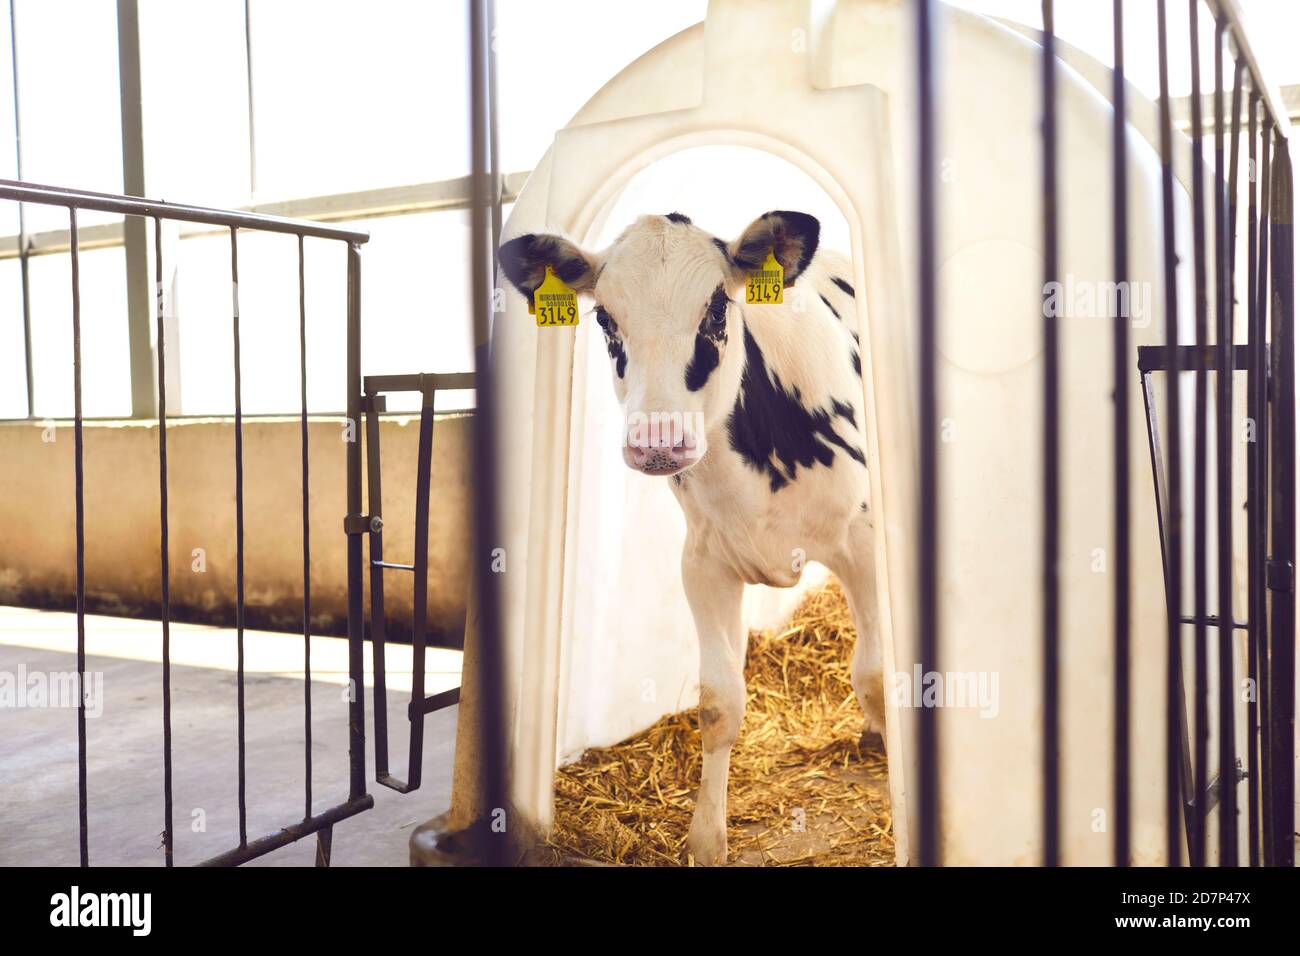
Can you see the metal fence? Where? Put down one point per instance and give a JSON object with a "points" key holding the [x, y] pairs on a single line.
{"points": [[487, 195], [1267, 357], [75, 201]]}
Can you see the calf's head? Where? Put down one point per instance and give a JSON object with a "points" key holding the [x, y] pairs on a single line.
{"points": [[666, 295]]}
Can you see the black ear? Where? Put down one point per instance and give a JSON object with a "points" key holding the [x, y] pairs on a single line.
{"points": [[790, 236], [524, 261]]}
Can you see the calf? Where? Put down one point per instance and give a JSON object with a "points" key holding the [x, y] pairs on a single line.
{"points": [[775, 474]]}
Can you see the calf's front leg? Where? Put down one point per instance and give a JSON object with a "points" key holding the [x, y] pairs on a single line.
{"points": [[714, 593]]}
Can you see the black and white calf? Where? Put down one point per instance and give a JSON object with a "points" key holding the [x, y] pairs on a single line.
{"points": [[777, 475]]}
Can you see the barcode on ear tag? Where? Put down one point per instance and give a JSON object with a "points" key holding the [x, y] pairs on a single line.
{"points": [[763, 285], [554, 303]]}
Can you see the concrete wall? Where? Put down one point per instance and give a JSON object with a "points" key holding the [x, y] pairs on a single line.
{"points": [[38, 538]]}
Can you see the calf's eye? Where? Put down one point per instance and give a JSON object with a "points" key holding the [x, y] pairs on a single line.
{"points": [[714, 323]]}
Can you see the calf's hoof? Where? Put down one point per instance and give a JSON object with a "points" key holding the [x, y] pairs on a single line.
{"points": [[707, 845], [871, 740]]}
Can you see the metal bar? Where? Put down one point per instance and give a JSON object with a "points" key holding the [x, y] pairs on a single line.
{"points": [[1234, 140], [134, 231], [378, 614], [927, 428], [356, 706], [391, 566], [420, 601], [1158, 474], [79, 466], [1231, 300], [306, 529], [1223, 449], [1200, 452], [437, 701], [164, 549], [1120, 425], [1229, 11], [1288, 95], [1157, 469], [324, 845], [1256, 398], [491, 677], [131, 206], [1051, 547], [319, 416], [292, 833], [1262, 430], [23, 250], [239, 535], [1282, 584], [1173, 522], [248, 76], [418, 198], [493, 134], [419, 382], [1190, 795], [1156, 358], [1213, 620]]}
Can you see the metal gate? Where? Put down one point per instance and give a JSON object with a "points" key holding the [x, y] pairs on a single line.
{"points": [[367, 396], [1268, 360], [357, 798], [372, 523]]}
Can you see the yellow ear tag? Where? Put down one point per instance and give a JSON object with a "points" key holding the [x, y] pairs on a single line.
{"points": [[554, 303], [764, 285]]}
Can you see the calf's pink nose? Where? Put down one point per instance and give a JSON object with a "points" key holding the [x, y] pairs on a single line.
{"points": [[642, 450]]}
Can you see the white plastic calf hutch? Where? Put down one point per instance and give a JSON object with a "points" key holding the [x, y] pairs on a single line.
{"points": [[593, 611]]}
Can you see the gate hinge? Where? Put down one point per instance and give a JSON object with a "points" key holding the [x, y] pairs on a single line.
{"points": [[1281, 576], [362, 524]]}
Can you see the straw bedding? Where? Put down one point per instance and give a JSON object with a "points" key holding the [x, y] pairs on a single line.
{"points": [[801, 790]]}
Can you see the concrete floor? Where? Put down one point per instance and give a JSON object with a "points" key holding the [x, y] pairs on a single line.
{"points": [[38, 745]]}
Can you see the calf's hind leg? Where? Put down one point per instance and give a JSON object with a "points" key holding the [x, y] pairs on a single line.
{"points": [[714, 593], [857, 573]]}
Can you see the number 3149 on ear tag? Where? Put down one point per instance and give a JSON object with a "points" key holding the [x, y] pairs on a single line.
{"points": [[763, 286], [554, 303]]}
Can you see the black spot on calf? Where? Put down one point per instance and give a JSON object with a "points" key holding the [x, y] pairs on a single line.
{"points": [[774, 432], [710, 338], [613, 344], [678, 217], [844, 286], [844, 411], [702, 363], [615, 349]]}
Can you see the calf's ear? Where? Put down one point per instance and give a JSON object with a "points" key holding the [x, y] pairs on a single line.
{"points": [[524, 261], [790, 236]]}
